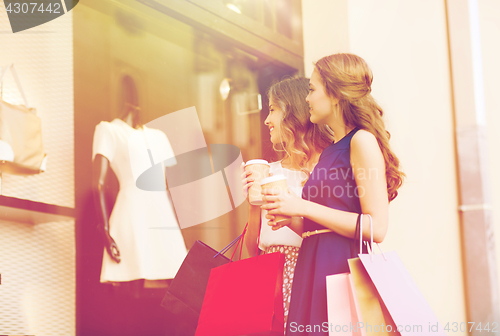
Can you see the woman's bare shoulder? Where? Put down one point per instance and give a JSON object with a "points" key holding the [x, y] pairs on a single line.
{"points": [[364, 140]]}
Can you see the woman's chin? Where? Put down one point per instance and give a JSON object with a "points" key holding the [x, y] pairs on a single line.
{"points": [[275, 141], [316, 120]]}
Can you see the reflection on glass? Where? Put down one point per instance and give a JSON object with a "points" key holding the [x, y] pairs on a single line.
{"points": [[277, 15], [224, 88]]}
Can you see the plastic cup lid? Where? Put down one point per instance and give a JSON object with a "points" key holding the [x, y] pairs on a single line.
{"points": [[257, 161], [273, 178]]}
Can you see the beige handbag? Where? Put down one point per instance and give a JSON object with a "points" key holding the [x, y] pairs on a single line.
{"points": [[21, 149]]}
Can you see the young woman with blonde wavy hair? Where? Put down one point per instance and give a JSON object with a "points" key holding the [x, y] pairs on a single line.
{"points": [[356, 175], [299, 142]]}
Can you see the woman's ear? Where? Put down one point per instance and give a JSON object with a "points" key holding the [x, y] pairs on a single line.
{"points": [[334, 101], [335, 105]]}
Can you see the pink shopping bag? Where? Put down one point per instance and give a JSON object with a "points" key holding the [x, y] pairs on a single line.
{"points": [[404, 301], [343, 311], [376, 319]]}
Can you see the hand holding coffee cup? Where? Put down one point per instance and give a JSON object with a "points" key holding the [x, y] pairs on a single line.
{"points": [[277, 182], [246, 180], [255, 171]]}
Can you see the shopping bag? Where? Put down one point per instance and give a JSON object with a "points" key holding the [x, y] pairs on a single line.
{"points": [[376, 320], [344, 315], [382, 280], [244, 297], [21, 130], [404, 301], [184, 296], [342, 308], [353, 305]]}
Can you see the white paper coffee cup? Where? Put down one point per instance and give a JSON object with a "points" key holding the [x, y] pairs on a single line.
{"points": [[276, 182], [260, 170]]}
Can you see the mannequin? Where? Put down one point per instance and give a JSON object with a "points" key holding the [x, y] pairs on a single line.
{"points": [[100, 168], [142, 239]]}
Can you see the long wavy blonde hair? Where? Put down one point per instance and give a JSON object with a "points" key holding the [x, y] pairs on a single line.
{"points": [[348, 78], [300, 138]]}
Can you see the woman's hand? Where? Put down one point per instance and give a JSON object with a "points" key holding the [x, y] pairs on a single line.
{"points": [[282, 203], [279, 225], [246, 180]]}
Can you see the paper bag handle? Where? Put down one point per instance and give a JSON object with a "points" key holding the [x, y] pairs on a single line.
{"points": [[231, 244], [370, 247], [242, 237], [359, 224]]}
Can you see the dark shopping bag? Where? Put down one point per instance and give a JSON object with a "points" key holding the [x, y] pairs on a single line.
{"points": [[185, 294], [244, 297]]}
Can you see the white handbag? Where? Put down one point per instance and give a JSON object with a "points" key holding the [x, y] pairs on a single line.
{"points": [[21, 149]]}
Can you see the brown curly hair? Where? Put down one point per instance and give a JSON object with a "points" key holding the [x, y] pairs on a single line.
{"points": [[300, 138], [348, 78]]}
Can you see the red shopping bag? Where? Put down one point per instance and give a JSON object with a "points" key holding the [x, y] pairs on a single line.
{"points": [[244, 297]]}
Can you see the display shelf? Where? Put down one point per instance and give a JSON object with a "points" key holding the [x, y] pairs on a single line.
{"points": [[25, 211], [15, 169]]}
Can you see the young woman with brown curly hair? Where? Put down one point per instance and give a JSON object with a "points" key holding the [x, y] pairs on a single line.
{"points": [[357, 174], [299, 142]]}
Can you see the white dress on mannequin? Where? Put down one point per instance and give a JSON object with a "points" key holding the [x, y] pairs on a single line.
{"points": [[142, 223]]}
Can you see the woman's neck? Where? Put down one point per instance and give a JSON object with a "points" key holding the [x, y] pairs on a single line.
{"points": [[313, 160], [340, 131]]}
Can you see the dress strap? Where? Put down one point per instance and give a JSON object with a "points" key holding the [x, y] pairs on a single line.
{"points": [[351, 134]]}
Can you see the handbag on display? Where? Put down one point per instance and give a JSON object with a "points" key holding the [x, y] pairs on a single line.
{"points": [[21, 149], [184, 296], [244, 297]]}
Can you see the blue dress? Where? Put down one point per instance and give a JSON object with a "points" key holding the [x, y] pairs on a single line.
{"points": [[331, 184]]}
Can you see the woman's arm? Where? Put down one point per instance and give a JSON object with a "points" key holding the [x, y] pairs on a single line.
{"points": [[254, 214], [368, 165], [369, 171], [297, 225], [253, 230]]}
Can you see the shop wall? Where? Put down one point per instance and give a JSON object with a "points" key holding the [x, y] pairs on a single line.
{"points": [[405, 44], [37, 262], [489, 15], [38, 279]]}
